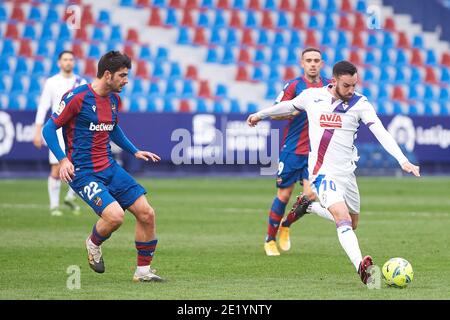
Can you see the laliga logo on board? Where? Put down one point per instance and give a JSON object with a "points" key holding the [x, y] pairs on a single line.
{"points": [[330, 120], [403, 131], [6, 133]]}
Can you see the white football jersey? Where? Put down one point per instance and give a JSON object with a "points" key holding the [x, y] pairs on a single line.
{"points": [[333, 125], [54, 89]]}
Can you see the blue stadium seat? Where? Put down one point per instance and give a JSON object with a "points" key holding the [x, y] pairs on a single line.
{"points": [[263, 38], [52, 15], [114, 45], [17, 84], [361, 6], [35, 14], [171, 88], [415, 75], [201, 106], [292, 58], [97, 34], [94, 51], [388, 41], [32, 101], [428, 93], [3, 13], [162, 54], [134, 105], [221, 91], [368, 75], [413, 93], [55, 2], [207, 4], [42, 49], [270, 5], [338, 56], [219, 20], [327, 39], [215, 36], [35, 85], [29, 32], [175, 70], [252, 107], [259, 56], [218, 107], [14, 101], [367, 92], [382, 93], [444, 108], [231, 37], [54, 69], [212, 56], [21, 66], [2, 85], [103, 17], [183, 36], [384, 76], [418, 42], [64, 32], [154, 89], [158, 71], [168, 105], [295, 38], [151, 105], [331, 6], [329, 23], [413, 110], [171, 18], [444, 95], [372, 40], [315, 5], [47, 33], [431, 58], [228, 56], [160, 3], [145, 53], [370, 58], [4, 66], [274, 74], [278, 39], [385, 57], [138, 87], [428, 109], [234, 106], [238, 4], [313, 22], [126, 3], [342, 41], [275, 57], [116, 35], [188, 89], [399, 76], [397, 108], [250, 20], [445, 75], [203, 20], [282, 22], [8, 48], [258, 74]]}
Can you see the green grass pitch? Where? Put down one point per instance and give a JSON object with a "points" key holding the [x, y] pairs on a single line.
{"points": [[211, 234]]}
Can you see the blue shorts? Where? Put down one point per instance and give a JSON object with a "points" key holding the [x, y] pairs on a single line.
{"points": [[291, 168], [99, 189]]}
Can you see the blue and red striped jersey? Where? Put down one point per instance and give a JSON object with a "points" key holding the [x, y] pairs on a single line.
{"points": [[87, 120], [295, 134]]}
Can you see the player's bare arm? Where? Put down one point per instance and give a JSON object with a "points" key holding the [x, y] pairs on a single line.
{"points": [[147, 156], [411, 168], [37, 141], [66, 170]]}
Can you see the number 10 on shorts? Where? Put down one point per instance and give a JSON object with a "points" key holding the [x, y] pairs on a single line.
{"points": [[328, 184]]}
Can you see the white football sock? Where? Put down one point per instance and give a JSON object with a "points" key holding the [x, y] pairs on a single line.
{"points": [[142, 270], [70, 194], [54, 186], [349, 242], [316, 208]]}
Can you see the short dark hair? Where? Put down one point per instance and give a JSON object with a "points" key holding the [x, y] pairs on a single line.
{"points": [[344, 67], [112, 61], [64, 52], [311, 49]]}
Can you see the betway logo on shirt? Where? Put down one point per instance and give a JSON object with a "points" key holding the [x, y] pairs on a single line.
{"points": [[101, 127], [330, 121]]}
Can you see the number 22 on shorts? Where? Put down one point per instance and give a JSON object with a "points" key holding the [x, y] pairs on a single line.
{"points": [[90, 190]]}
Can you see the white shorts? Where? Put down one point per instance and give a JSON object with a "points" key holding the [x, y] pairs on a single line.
{"points": [[51, 157], [333, 189]]}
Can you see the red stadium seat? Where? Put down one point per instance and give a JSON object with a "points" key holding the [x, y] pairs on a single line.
{"points": [[402, 41], [357, 40], [389, 24], [289, 73], [77, 49], [204, 90], [175, 4], [298, 21], [285, 5], [300, 6], [86, 16], [247, 38], [445, 60], [267, 22], [430, 75], [244, 56], [132, 35], [155, 17], [129, 51], [398, 94], [235, 20], [11, 31], [360, 22], [25, 48], [416, 57], [191, 4], [187, 20], [254, 5], [81, 34], [191, 72], [90, 68], [141, 69], [17, 14], [143, 3], [355, 58], [199, 36], [184, 106], [242, 74], [223, 4], [344, 24], [311, 40], [346, 6]]}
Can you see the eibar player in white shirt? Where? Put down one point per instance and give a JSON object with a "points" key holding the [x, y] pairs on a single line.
{"points": [[55, 87], [334, 112]]}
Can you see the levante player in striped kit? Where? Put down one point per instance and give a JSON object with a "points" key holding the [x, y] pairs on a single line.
{"points": [[88, 116], [293, 161]]}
